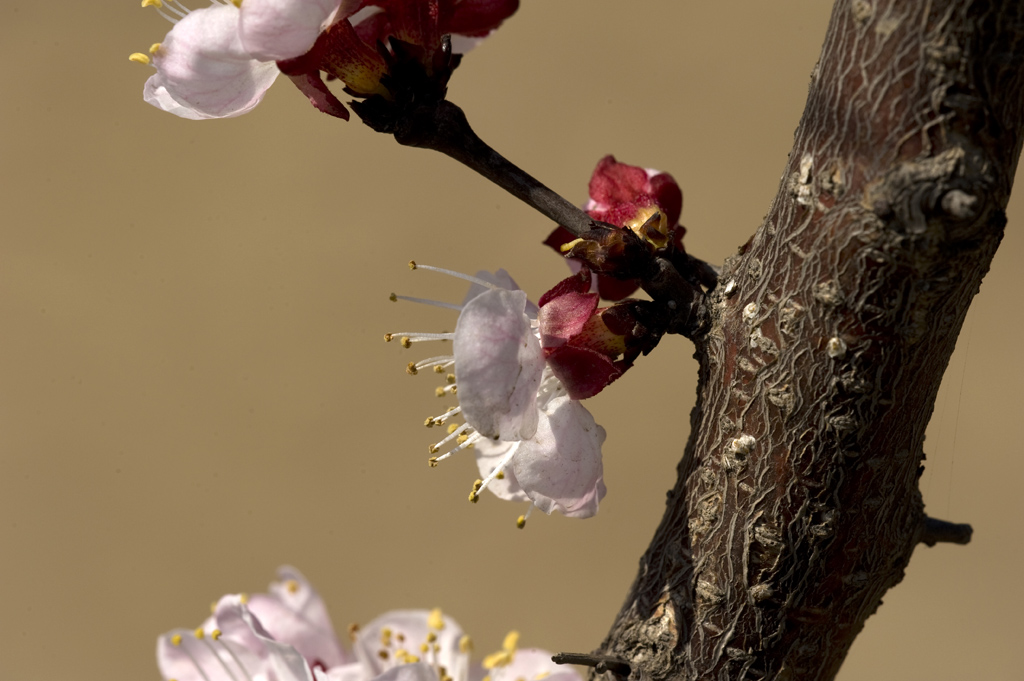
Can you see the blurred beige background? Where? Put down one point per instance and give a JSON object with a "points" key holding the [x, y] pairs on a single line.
{"points": [[195, 389]]}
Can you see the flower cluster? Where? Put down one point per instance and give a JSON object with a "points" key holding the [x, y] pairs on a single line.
{"points": [[287, 635], [644, 201], [219, 61]]}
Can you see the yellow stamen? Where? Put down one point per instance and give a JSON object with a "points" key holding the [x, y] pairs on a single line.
{"points": [[236, 3], [541, 675], [385, 636], [452, 428], [292, 586], [412, 264], [439, 369], [521, 522], [406, 342], [152, 3], [154, 48], [213, 606], [432, 462], [198, 633], [439, 392], [465, 644], [243, 598], [462, 438], [353, 629], [139, 58], [176, 640], [424, 648], [498, 659], [429, 423], [450, 378], [511, 641], [431, 637], [411, 369], [215, 634], [388, 337], [500, 475], [393, 298], [382, 654], [435, 620]]}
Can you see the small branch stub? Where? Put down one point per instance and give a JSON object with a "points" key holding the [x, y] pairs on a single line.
{"points": [[937, 531]]}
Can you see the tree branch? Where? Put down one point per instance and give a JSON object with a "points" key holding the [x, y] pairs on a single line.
{"points": [[797, 503], [934, 531]]}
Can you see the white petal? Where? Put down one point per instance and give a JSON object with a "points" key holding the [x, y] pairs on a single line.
{"points": [[488, 455], [412, 625], [498, 365], [282, 29], [202, 70], [294, 613], [560, 466]]}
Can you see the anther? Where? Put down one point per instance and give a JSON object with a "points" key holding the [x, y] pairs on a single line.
{"points": [[435, 620], [431, 637], [152, 3], [521, 522], [406, 342], [439, 369], [353, 629], [139, 58], [199, 633], [450, 378], [432, 462], [176, 640], [393, 298], [411, 369], [215, 634], [452, 428], [465, 644], [292, 586], [412, 264], [388, 337]]}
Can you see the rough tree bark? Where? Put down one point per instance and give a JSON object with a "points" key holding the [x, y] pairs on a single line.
{"points": [[797, 503]]}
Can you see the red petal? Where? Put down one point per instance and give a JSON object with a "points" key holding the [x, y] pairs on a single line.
{"points": [[577, 283], [564, 316], [322, 98], [480, 17], [614, 182], [582, 371], [668, 196]]}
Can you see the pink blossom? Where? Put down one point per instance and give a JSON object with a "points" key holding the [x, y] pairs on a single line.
{"points": [[533, 442]]}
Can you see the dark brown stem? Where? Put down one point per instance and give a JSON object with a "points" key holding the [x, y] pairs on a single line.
{"points": [[444, 128], [797, 503], [935, 531]]}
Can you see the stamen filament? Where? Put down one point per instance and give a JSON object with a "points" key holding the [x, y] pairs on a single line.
{"points": [[434, 448], [427, 301], [501, 465], [457, 275], [469, 442]]}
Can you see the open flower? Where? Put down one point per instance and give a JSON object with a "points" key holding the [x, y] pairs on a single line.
{"points": [[533, 441], [219, 61], [646, 201], [286, 635]]}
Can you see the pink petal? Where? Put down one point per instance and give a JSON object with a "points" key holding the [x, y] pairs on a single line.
{"points": [[202, 70], [273, 30], [238, 624], [498, 365], [295, 614], [560, 466], [488, 455], [412, 625]]}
